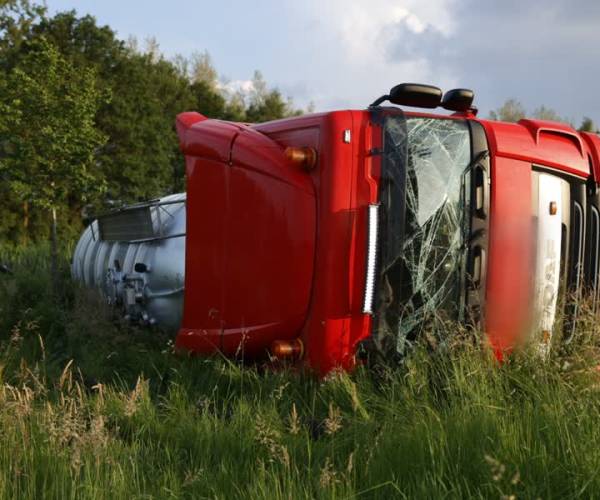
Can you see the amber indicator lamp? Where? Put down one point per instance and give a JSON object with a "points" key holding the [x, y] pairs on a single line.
{"points": [[287, 349], [304, 157]]}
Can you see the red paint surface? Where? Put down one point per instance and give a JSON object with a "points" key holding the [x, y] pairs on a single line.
{"points": [[275, 252], [510, 268]]}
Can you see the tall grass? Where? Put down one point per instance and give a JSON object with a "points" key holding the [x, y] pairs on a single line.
{"points": [[93, 408]]}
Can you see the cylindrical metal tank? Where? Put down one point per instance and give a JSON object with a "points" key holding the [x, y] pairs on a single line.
{"points": [[136, 257]]}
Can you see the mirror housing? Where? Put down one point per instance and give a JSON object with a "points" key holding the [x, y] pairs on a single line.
{"points": [[416, 95], [458, 100]]}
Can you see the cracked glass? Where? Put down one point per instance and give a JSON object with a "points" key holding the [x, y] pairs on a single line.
{"points": [[425, 171]]}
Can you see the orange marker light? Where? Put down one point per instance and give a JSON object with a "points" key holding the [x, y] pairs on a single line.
{"points": [[302, 156], [287, 349], [553, 208]]}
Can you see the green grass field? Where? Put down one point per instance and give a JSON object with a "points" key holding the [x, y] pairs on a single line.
{"points": [[92, 408]]}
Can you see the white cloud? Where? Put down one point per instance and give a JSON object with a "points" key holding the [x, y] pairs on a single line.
{"points": [[352, 42], [365, 29]]}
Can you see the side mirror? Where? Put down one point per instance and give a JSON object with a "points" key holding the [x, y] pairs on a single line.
{"points": [[458, 100], [416, 95]]}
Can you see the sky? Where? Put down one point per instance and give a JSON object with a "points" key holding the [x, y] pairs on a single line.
{"points": [[345, 53]]}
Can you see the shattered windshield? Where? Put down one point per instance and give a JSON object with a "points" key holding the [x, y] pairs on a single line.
{"points": [[423, 194]]}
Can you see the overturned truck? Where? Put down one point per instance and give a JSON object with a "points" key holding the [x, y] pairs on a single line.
{"points": [[326, 237]]}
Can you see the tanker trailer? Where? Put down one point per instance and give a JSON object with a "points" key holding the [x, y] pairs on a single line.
{"points": [[327, 237], [135, 255]]}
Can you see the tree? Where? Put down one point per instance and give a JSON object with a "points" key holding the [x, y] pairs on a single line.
{"points": [[203, 70], [544, 113], [17, 19], [235, 108], [271, 106], [49, 139], [267, 104], [209, 101], [588, 125], [511, 111], [208, 98], [259, 91], [152, 49], [141, 158], [83, 42]]}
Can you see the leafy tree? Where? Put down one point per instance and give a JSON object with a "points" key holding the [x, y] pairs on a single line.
{"points": [[204, 83], [271, 107], [152, 49], [235, 108], [208, 101], [544, 113], [17, 19], [588, 125], [267, 104], [203, 70], [141, 158], [511, 111], [259, 91], [83, 42], [49, 136]]}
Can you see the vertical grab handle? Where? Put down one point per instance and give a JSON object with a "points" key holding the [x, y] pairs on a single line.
{"points": [[478, 266], [482, 192]]}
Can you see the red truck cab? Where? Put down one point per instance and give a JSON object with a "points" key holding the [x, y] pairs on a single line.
{"points": [[325, 236]]}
